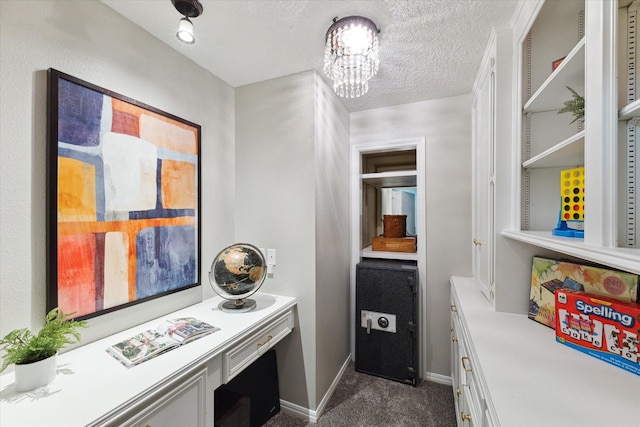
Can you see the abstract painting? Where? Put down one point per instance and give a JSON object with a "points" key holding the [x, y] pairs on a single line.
{"points": [[123, 200]]}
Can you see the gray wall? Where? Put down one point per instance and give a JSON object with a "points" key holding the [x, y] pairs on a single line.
{"points": [[292, 194], [332, 236], [446, 126], [90, 41]]}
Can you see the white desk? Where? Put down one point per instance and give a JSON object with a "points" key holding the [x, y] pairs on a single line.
{"points": [[175, 388]]}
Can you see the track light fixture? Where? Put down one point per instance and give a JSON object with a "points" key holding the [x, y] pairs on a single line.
{"points": [[189, 9]]}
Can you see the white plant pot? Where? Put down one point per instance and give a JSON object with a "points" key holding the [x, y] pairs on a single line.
{"points": [[33, 375]]}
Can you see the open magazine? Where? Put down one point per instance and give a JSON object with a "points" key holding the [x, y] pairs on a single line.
{"points": [[168, 335]]}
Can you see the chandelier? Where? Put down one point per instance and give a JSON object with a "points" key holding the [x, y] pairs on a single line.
{"points": [[351, 55]]}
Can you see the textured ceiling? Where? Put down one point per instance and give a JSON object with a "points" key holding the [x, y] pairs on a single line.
{"points": [[428, 48]]}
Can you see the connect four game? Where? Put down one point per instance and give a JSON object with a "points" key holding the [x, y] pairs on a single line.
{"points": [[571, 203], [572, 192]]}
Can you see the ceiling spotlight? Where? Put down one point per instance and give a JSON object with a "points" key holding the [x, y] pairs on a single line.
{"points": [[190, 9], [351, 55]]}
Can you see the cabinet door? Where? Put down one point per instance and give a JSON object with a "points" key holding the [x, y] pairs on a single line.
{"points": [[483, 184], [456, 377], [182, 405]]}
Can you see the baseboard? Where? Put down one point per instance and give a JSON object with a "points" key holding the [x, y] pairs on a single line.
{"points": [[437, 378], [308, 414], [298, 411]]}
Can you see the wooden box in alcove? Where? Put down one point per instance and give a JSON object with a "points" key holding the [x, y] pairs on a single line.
{"points": [[394, 244]]}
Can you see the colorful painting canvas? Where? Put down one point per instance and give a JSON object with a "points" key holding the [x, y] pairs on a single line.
{"points": [[123, 200]]}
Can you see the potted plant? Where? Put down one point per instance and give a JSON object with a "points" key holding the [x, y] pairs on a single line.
{"points": [[35, 356]]}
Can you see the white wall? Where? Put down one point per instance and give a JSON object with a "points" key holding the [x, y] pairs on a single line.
{"points": [[275, 208], [292, 194], [446, 126], [90, 41], [333, 231]]}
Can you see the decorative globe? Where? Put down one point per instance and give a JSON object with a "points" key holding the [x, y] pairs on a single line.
{"points": [[236, 273]]}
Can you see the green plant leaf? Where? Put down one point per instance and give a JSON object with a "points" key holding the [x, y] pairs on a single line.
{"points": [[21, 346], [574, 106]]}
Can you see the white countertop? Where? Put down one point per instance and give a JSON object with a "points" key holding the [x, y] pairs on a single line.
{"points": [[91, 383], [535, 381]]}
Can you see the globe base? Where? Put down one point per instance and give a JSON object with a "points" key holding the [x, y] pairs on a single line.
{"points": [[237, 306]]}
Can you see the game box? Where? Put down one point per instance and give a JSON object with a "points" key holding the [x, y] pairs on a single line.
{"points": [[548, 275], [601, 327]]}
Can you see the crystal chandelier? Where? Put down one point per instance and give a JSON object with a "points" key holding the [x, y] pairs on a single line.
{"points": [[351, 55]]}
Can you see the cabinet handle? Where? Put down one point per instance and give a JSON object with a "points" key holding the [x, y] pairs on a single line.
{"points": [[454, 309], [477, 242], [454, 339], [466, 360], [458, 392], [465, 417], [260, 344]]}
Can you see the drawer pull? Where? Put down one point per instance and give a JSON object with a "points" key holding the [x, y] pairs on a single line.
{"points": [[260, 344], [458, 392], [465, 361], [454, 308], [465, 417], [454, 339]]}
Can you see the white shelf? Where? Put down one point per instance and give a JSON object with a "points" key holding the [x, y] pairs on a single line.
{"points": [[630, 111], [569, 73], [569, 152], [368, 252], [626, 259], [391, 179]]}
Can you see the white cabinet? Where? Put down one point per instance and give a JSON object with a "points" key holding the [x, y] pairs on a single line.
{"points": [[184, 404], [483, 172], [585, 35], [468, 387], [491, 163], [550, 142], [518, 375]]}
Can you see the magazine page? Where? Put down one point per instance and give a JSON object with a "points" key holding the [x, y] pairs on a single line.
{"points": [[141, 347], [185, 329]]}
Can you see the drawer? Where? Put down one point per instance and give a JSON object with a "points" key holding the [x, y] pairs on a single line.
{"points": [[247, 350]]}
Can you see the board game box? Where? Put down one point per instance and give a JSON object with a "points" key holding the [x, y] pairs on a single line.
{"points": [[601, 327], [549, 275]]}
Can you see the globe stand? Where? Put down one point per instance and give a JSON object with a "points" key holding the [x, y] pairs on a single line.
{"points": [[237, 306]]}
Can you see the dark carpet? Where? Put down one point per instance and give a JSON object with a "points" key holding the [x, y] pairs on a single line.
{"points": [[362, 400]]}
